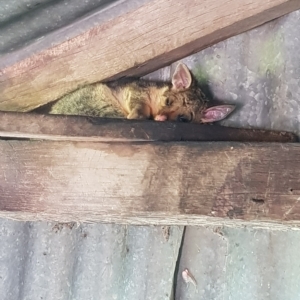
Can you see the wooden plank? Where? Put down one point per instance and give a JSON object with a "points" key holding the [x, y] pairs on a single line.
{"points": [[79, 128], [143, 39], [157, 183]]}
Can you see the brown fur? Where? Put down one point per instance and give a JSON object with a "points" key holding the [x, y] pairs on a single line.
{"points": [[180, 100]]}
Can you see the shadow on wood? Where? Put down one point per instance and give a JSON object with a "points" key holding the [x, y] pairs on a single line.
{"points": [[79, 128]]}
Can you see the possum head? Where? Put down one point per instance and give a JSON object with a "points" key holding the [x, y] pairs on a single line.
{"points": [[185, 102]]}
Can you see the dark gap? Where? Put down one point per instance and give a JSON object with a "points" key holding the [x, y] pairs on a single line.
{"points": [[258, 201], [4, 138], [177, 263]]}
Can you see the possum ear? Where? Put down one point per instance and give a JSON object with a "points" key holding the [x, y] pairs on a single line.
{"points": [[216, 113], [182, 78]]}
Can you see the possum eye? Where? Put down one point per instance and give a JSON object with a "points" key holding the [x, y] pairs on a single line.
{"points": [[183, 118], [168, 102]]}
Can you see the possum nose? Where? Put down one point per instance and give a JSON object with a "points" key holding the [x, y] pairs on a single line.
{"points": [[182, 118]]}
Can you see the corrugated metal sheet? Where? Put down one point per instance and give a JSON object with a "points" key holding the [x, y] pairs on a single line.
{"points": [[22, 22], [91, 261], [244, 263], [260, 71]]}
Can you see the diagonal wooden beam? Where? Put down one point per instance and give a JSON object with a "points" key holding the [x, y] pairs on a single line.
{"points": [[139, 41], [151, 183], [80, 128]]}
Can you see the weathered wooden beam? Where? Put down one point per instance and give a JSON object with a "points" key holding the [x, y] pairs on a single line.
{"points": [[141, 40], [151, 183], [79, 128]]}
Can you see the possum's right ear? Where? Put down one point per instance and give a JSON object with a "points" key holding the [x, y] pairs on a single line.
{"points": [[182, 78], [216, 113]]}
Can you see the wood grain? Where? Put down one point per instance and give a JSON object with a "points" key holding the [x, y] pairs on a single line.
{"points": [[79, 128], [139, 41], [157, 183]]}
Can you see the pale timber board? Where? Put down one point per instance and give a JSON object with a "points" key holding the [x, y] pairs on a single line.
{"points": [[168, 183], [150, 36]]}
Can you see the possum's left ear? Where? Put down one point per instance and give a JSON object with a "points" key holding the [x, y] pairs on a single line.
{"points": [[216, 113], [182, 78]]}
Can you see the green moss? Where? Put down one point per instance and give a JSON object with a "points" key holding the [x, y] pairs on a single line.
{"points": [[270, 55], [209, 69], [201, 74]]}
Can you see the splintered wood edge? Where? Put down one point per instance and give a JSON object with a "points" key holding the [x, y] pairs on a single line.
{"points": [[148, 219], [60, 69]]}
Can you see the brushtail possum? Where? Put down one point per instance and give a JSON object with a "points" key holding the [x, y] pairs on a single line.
{"points": [[180, 100]]}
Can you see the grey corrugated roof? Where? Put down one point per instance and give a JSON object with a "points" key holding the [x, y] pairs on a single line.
{"points": [[22, 22], [53, 261], [260, 71]]}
